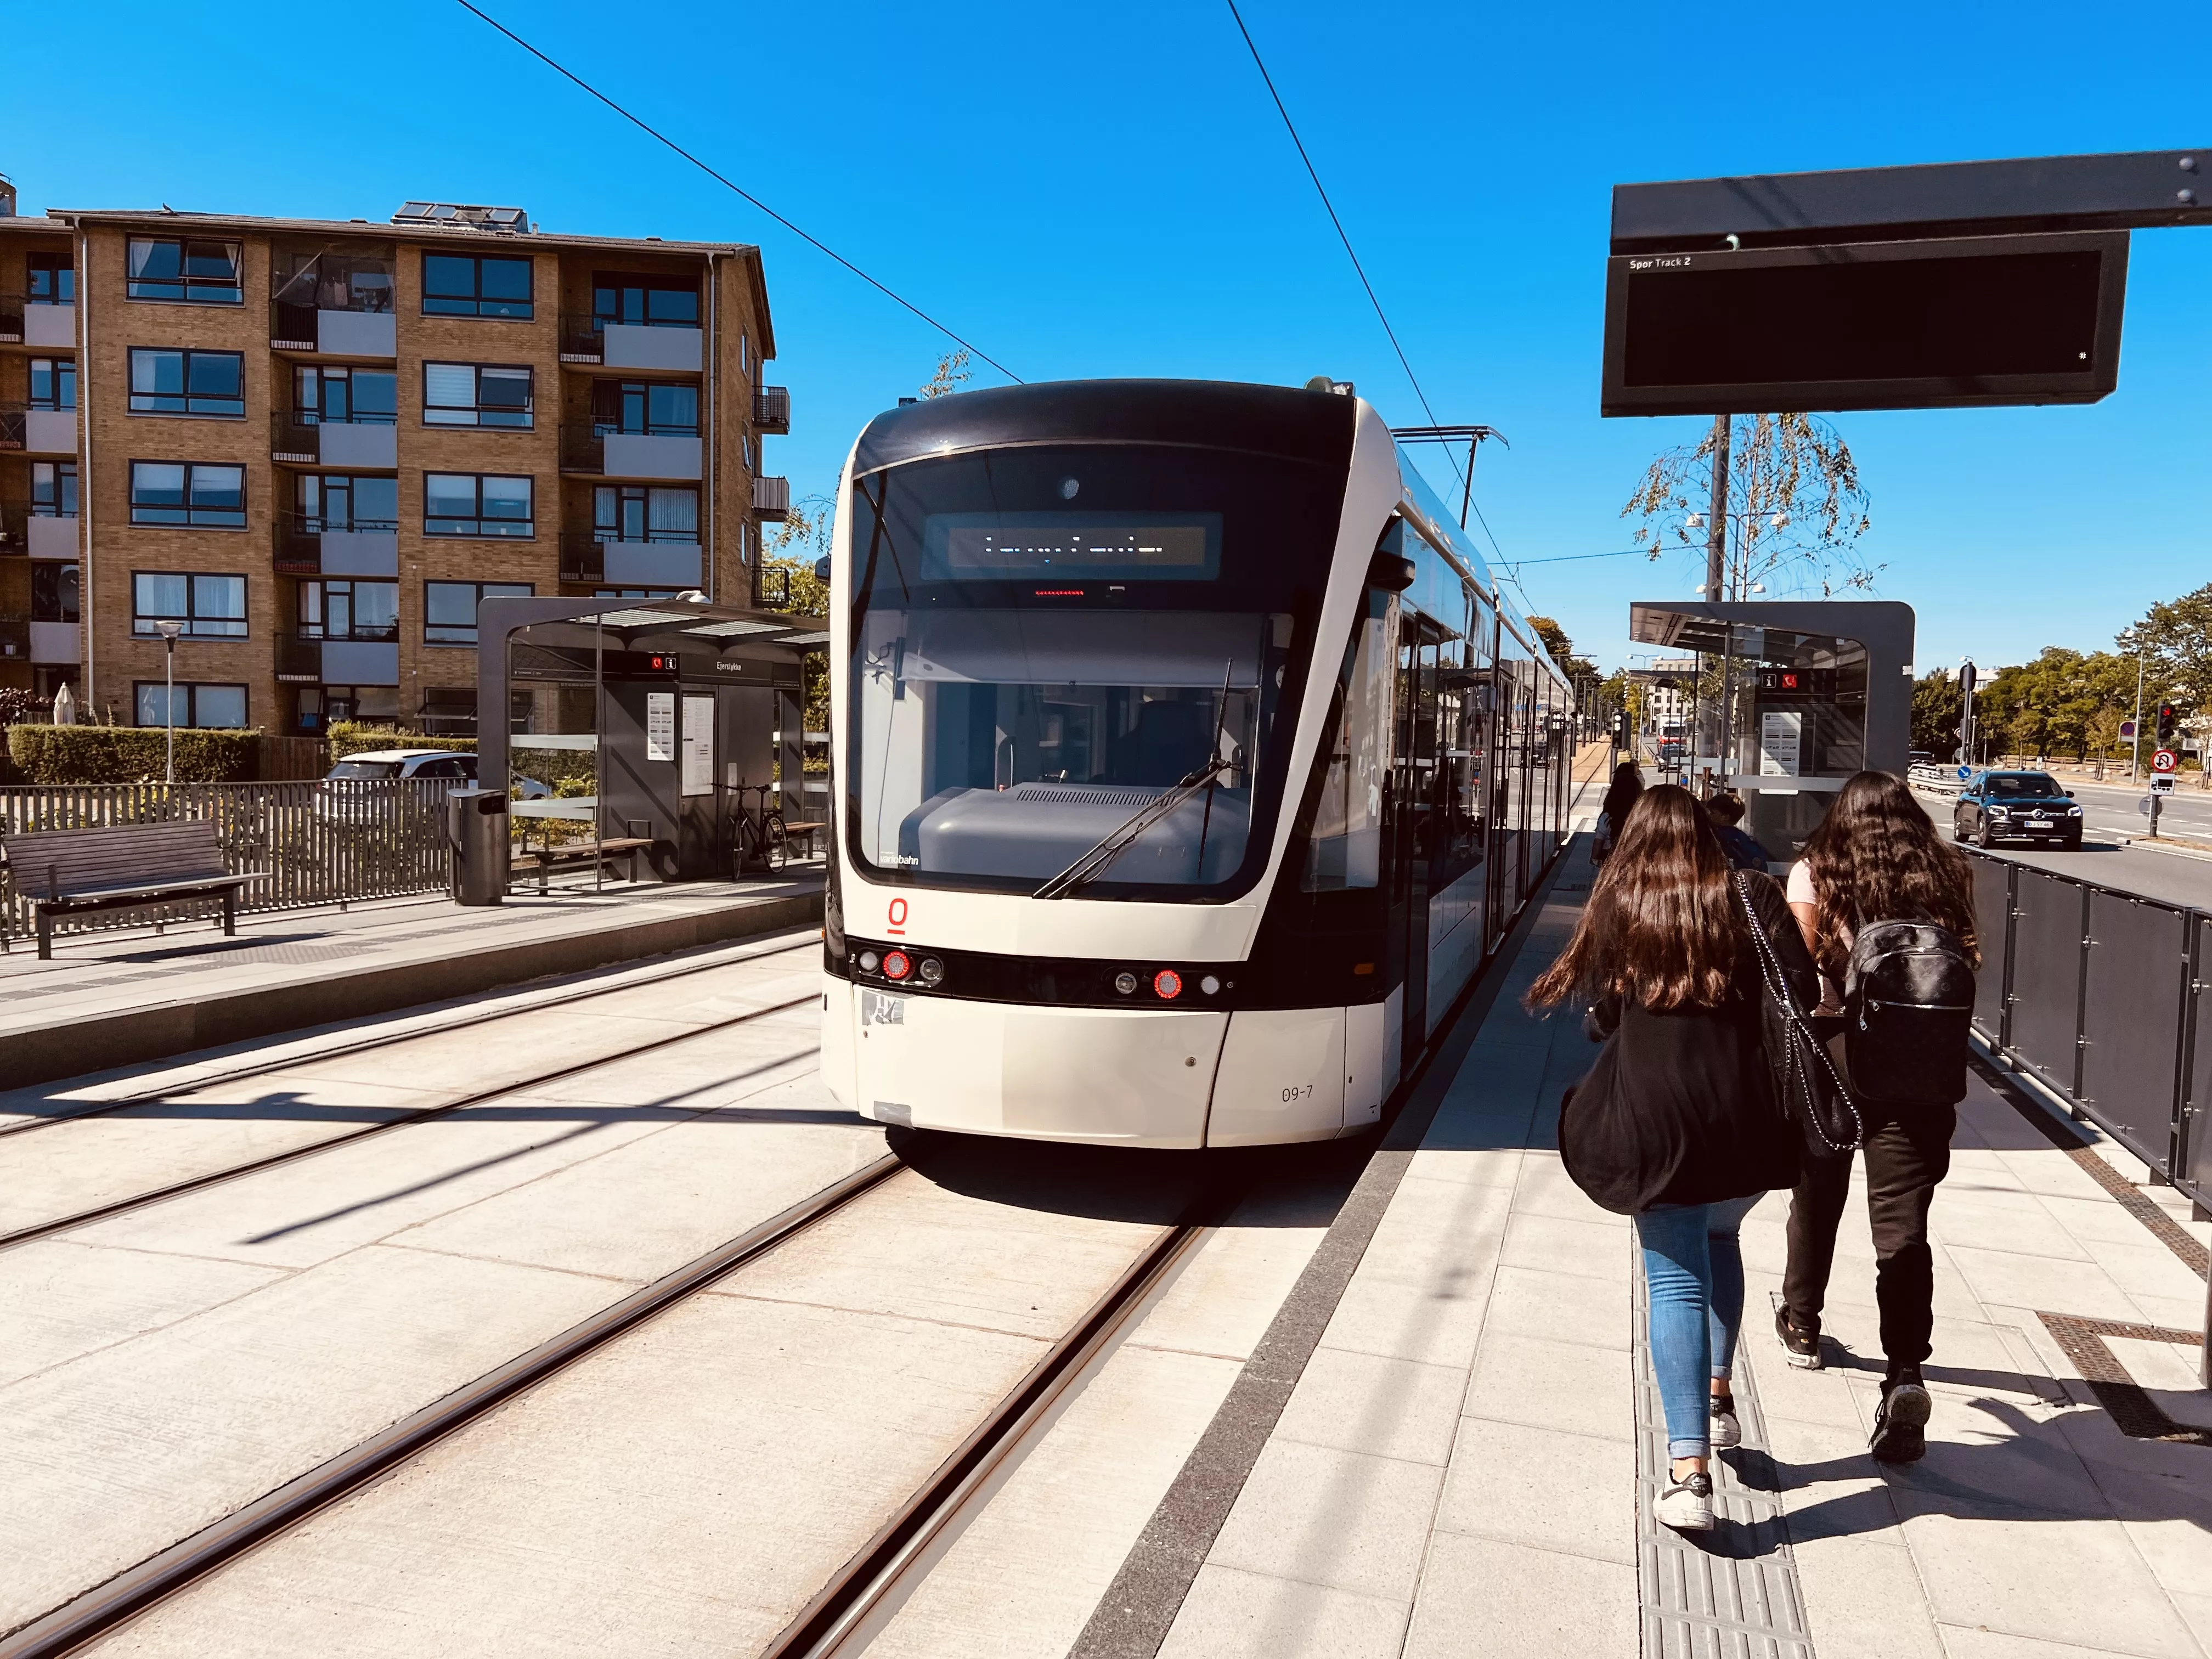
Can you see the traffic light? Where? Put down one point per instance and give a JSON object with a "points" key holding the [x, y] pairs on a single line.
{"points": [[1620, 726], [2168, 723]]}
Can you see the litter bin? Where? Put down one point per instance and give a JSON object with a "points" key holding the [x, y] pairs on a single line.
{"points": [[475, 825]]}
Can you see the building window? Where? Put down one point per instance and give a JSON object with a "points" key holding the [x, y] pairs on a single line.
{"points": [[332, 501], [53, 383], [475, 394], [346, 397], [475, 504], [322, 704], [449, 609], [349, 610], [645, 513], [636, 592], [53, 489], [53, 591], [166, 382], [208, 607], [51, 279], [194, 493], [475, 285], [220, 708], [645, 406], [644, 301], [337, 281], [190, 270]]}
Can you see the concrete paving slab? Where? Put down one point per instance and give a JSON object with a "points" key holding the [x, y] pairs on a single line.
{"points": [[1231, 1615], [1223, 1300], [1867, 1598], [116, 1455], [1362, 1402], [1342, 1520], [60, 1300], [1560, 1306], [491, 1056], [1436, 1325], [1484, 1598], [1541, 1383], [1572, 1494], [1552, 1244]]}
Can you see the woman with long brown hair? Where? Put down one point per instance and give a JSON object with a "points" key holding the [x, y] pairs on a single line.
{"points": [[1677, 1123], [1876, 858]]}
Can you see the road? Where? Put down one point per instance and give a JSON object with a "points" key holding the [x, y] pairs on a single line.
{"points": [[2109, 814]]}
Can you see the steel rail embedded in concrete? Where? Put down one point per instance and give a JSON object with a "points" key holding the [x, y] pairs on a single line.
{"points": [[386, 1039], [422, 1114], [178, 1567]]}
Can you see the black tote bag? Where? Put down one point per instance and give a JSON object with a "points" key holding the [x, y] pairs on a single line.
{"points": [[1806, 1083]]}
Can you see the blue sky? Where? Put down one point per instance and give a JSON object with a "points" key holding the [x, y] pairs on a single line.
{"points": [[1105, 190]]}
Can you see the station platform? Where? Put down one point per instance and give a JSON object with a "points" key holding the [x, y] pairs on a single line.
{"points": [[115, 997], [1447, 1440]]}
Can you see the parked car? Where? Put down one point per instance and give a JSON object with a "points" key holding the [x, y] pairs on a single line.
{"points": [[2027, 806], [451, 768]]}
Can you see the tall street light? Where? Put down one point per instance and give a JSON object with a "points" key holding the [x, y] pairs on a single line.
{"points": [[2132, 640], [168, 631]]}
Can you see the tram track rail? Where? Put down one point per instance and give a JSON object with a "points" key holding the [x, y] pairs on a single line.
{"points": [[168, 1092], [406, 1120]]}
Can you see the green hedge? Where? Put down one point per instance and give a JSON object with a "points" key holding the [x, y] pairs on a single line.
{"points": [[352, 737], [130, 754]]}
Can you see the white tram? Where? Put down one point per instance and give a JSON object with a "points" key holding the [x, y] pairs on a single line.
{"points": [[1187, 764]]}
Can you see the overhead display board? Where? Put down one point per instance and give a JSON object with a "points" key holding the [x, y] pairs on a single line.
{"points": [[1951, 286]]}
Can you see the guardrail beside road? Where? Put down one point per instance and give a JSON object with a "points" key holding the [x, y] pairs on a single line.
{"points": [[2103, 997]]}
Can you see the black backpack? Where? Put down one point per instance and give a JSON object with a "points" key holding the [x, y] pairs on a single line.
{"points": [[1908, 1003]]}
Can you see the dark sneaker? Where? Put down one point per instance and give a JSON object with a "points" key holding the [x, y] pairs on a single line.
{"points": [[1800, 1344], [1687, 1504], [1901, 1425], [1725, 1429]]}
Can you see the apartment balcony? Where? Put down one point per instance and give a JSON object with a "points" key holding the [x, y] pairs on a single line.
{"points": [[57, 643], [772, 409], [304, 550], [299, 439], [597, 451], [36, 323], [24, 532], [15, 639], [311, 331], [592, 560], [302, 661], [771, 500], [662, 348], [26, 431]]}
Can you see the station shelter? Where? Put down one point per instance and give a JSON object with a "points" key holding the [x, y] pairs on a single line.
{"points": [[1788, 699], [662, 721]]}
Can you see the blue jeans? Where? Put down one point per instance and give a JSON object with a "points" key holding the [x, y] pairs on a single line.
{"points": [[1693, 1281]]}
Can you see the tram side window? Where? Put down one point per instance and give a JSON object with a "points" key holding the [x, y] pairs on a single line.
{"points": [[1345, 848]]}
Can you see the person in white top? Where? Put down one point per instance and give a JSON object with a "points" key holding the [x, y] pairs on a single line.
{"points": [[1876, 857]]}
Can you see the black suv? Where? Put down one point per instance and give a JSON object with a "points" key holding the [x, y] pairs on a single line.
{"points": [[2026, 806]]}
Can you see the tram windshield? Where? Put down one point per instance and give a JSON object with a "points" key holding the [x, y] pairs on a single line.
{"points": [[1030, 672]]}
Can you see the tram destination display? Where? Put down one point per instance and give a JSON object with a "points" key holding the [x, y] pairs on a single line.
{"points": [[1071, 547]]}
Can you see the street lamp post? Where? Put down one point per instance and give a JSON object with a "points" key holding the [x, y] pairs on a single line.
{"points": [[2133, 638], [168, 631]]}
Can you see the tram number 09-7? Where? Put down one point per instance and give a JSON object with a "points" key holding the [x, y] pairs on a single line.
{"points": [[1297, 1091]]}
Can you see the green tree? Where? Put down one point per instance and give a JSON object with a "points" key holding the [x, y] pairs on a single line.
{"points": [[1937, 709], [2177, 641], [1577, 669], [1796, 507], [951, 375]]}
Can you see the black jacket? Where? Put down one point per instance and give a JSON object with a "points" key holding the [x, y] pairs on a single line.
{"points": [[1696, 1083]]}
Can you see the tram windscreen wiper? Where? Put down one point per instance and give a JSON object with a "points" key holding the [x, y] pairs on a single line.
{"points": [[1121, 839]]}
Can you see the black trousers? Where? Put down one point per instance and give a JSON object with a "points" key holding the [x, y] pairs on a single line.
{"points": [[1905, 1158]]}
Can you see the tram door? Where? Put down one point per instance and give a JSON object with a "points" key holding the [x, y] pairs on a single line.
{"points": [[1412, 832]]}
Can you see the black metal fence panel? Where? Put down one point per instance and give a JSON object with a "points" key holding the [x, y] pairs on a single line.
{"points": [[2132, 1009], [1993, 927], [2192, 1170], [321, 843], [2045, 992]]}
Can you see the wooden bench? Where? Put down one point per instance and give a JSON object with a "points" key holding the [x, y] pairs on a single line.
{"points": [[548, 858], [124, 866], [808, 829]]}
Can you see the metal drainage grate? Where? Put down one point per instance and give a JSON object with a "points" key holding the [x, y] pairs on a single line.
{"points": [[1732, 1594]]}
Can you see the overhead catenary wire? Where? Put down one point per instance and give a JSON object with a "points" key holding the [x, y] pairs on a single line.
{"points": [[1343, 236], [728, 183]]}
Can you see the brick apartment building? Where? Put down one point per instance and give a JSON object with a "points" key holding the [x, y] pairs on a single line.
{"points": [[310, 447]]}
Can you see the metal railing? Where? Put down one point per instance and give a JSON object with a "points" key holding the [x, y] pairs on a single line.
{"points": [[297, 552], [322, 842], [2104, 998], [15, 639], [772, 409], [300, 660], [15, 528]]}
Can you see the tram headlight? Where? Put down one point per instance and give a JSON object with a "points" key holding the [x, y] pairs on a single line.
{"points": [[868, 961], [933, 971], [898, 964], [1167, 984], [1126, 983]]}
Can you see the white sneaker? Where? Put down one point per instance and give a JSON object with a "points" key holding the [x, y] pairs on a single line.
{"points": [[1687, 1505], [1725, 1431]]}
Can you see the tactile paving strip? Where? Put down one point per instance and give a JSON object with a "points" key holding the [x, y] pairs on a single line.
{"points": [[1731, 1593]]}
